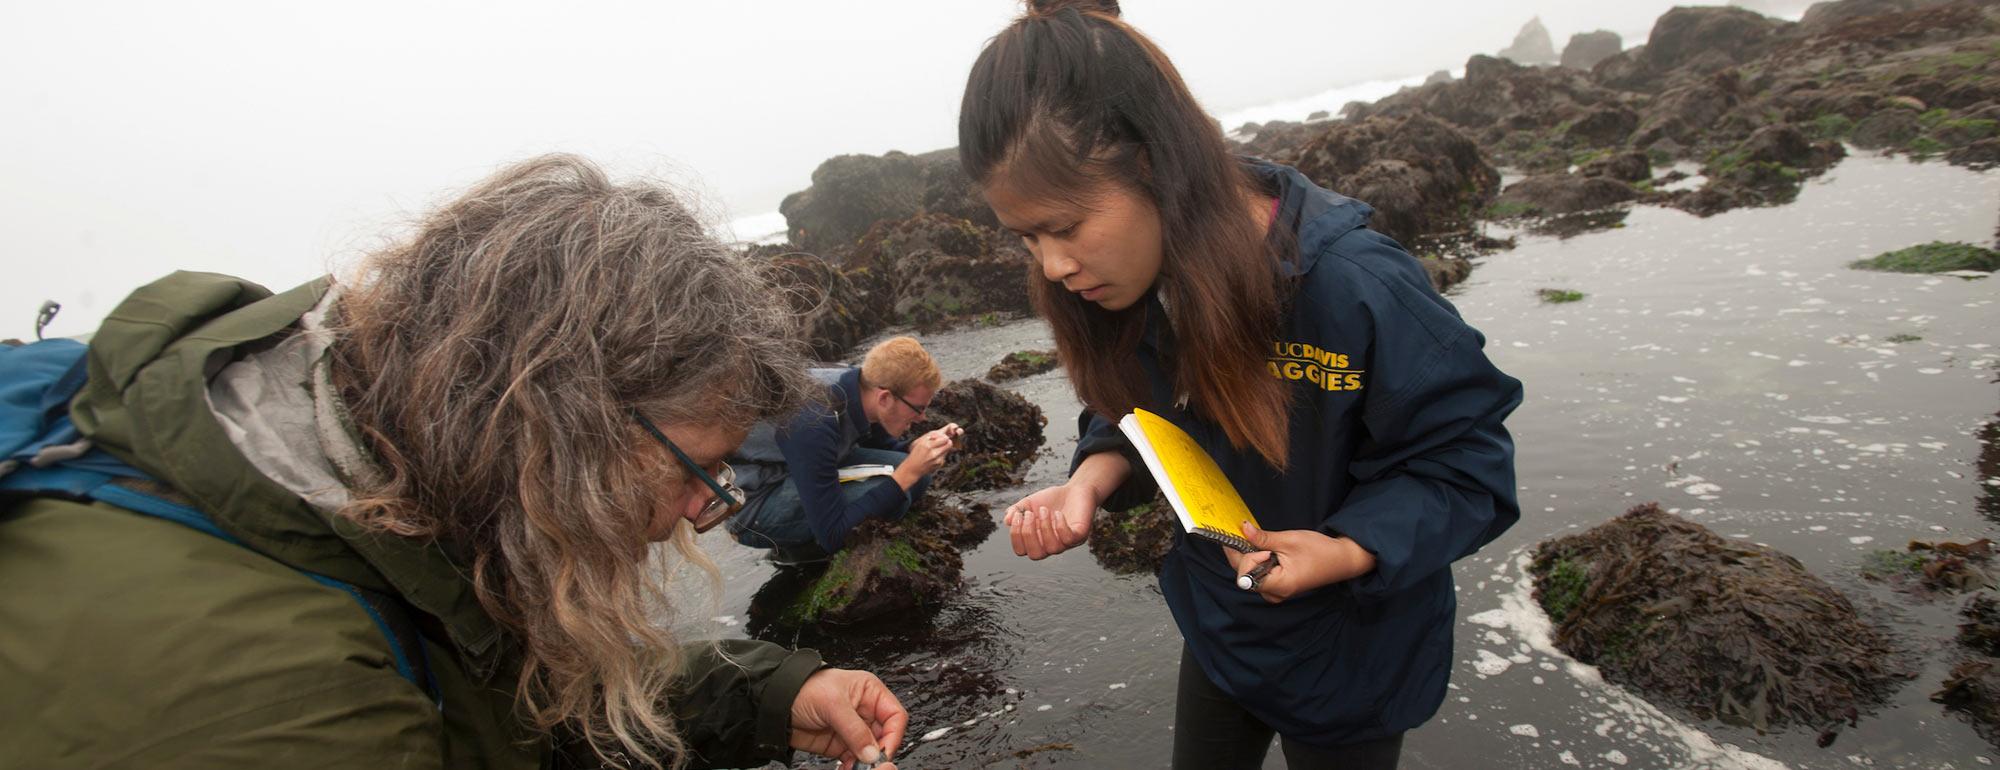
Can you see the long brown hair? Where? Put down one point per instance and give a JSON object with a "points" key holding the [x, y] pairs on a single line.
{"points": [[1070, 98], [492, 361]]}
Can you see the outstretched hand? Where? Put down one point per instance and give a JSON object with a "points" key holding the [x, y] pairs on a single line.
{"points": [[1051, 521], [849, 716]]}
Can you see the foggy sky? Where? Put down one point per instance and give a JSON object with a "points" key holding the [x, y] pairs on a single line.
{"points": [[276, 140]]}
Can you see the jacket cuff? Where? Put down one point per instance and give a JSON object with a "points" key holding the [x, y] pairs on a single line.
{"points": [[773, 734], [1139, 486]]}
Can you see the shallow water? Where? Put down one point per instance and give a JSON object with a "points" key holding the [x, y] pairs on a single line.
{"points": [[1732, 368]]}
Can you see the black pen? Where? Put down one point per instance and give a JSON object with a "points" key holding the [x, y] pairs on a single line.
{"points": [[1250, 580]]}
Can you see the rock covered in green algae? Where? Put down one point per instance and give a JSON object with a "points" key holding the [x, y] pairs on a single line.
{"points": [[1134, 540], [1003, 431], [1022, 363], [1723, 628], [1933, 257], [890, 567]]}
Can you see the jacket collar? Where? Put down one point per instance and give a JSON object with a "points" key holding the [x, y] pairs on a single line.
{"points": [[1317, 216], [854, 418], [322, 456]]}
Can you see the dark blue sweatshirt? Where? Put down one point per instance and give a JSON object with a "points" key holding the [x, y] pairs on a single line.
{"points": [[815, 442], [1396, 442]]}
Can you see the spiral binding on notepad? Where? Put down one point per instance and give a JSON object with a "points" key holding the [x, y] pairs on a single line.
{"points": [[1232, 541]]}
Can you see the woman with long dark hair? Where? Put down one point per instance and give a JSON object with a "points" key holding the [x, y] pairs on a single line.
{"points": [[1309, 355]]}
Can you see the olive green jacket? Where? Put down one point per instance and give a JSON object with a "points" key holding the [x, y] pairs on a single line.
{"points": [[131, 641]]}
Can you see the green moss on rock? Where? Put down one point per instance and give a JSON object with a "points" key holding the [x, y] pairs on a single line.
{"points": [[1933, 257]]}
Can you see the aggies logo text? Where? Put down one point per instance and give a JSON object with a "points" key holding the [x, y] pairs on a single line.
{"points": [[1305, 361]]}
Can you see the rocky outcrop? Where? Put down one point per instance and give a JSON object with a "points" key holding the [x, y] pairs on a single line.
{"points": [[1629, 167], [849, 194], [1727, 629], [1823, 17], [940, 269], [1586, 49], [1607, 126], [886, 568], [1421, 175], [948, 191], [1498, 97], [1686, 114], [1553, 194], [1766, 169], [1003, 432], [1022, 363], [927, 271], [838, 309], [1692, 41], [1531, 46]]}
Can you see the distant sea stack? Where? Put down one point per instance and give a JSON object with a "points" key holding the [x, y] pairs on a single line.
{"points": [[1586, 49], [1532, 46]]}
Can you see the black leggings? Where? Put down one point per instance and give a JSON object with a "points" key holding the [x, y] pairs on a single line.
{"points": [[1212, 731]]}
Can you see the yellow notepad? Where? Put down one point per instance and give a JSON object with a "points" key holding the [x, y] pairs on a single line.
{"points": [[1207, 504]]}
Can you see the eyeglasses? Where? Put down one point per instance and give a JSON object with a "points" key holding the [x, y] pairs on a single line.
{"points": [[906, 402], [728, 499]]}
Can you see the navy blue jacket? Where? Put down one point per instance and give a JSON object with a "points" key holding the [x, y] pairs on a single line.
{"points": [[810, 449], [1396, 442]]}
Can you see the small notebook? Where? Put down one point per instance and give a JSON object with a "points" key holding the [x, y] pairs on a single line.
{"points": [[859, 472], [1207, 504]]}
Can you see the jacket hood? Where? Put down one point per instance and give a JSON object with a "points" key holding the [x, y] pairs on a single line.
{"points": [[193, 374]]}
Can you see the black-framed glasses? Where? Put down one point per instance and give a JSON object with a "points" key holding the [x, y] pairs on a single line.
{"points": [[906, 402], [728, 499]]}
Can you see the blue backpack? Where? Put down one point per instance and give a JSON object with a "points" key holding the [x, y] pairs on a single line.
{"points": [[42, 454]]}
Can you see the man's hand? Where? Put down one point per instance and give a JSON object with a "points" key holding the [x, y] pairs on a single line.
{"points": [[1307, 559], [927, 455], [849, 716]]}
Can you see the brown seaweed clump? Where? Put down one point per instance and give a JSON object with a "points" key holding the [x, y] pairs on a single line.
{"points": [[1973, 687], [1134, 540], [1003, 431], [1726, 629], [1929, 569], [1022, 363]]}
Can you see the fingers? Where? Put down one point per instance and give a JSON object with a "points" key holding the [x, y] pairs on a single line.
{"points": [[1024, 532], [1038, 532], [1045, 533], [1053, 530], [1017, 533], [893, 720], [853, 731]]}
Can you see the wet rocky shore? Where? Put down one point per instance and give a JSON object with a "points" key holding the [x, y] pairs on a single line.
{"points": [[1714, 628]]}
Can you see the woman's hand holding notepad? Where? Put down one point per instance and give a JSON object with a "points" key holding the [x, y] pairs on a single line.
{"points": [[1277, 565]]}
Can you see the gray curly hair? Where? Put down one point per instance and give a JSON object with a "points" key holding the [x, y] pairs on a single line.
{"points": [[492, 362]]}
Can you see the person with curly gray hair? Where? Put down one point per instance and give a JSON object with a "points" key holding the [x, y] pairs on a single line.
{"points": [[413, 519]]}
